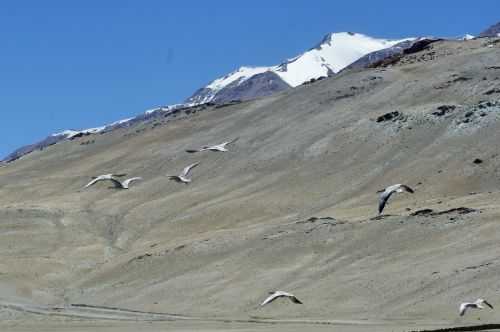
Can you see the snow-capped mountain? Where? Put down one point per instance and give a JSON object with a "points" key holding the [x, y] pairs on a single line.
{"points": [[332, 54]]}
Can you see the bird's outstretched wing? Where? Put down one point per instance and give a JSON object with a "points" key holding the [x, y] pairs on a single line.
{"points": [[408, 189], [230, 142], [96, 179], [488, 304], [187, 169], [295, 300], [127, 182], [384, 197], [463, 309], [270, 298]]}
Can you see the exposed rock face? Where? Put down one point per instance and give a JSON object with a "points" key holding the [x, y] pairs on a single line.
{"points": [[259, 85], [391, 54]]}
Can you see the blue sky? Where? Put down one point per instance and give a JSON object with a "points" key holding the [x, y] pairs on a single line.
{"points": [[79, 64]]}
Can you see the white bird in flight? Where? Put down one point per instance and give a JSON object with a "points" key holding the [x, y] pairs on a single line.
{"points": [[274, 295], [387, 192], [219, 147], [478, 304], [183, 176], [112, 177]]}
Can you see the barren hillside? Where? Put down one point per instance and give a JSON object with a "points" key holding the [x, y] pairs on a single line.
{"points": [[243, 227]]}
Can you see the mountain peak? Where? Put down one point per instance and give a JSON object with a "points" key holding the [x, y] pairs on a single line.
{"points": [[335, 51]]}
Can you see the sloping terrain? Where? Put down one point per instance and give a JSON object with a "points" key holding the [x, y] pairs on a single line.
{"points": [[245, 225]]}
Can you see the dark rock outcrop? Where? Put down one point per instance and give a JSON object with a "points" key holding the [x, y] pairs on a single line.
{"points": [[444, 109], [391, 116], [392, 54], [259, 85]]}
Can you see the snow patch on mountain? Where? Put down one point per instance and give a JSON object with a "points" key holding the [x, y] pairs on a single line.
{"points": [[72, 133], [335, 52], [239, 76]]}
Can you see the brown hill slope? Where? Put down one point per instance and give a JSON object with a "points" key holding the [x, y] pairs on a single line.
{"points": [[240, 229]]}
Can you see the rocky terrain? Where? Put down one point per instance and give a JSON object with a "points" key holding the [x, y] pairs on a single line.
{"points": [[292, 206]]}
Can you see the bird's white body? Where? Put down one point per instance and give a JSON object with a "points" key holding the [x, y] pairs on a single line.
{"points": [[478, 304], [183, 176], [111, 177], [218, 147], [387, 192], [277, 294]]}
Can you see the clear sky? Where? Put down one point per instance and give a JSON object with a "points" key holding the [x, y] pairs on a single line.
{"points": [[79, 64]]}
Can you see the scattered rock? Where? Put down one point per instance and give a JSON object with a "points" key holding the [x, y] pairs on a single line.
{"points": [[391, 116], [382, 216], [478, 161], [144, 256], [314, 219], [423, 212], [444, 109], [229, 103], [492, 91], [431, 212], [312, 80], [448, 83], [459, 210], [474, 267], [182, 246]]}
